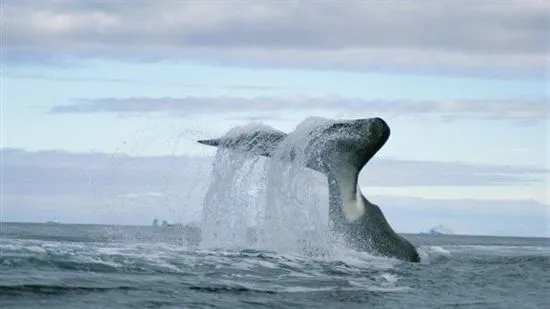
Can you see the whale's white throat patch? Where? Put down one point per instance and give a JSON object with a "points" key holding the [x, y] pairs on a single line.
{"points": [[352, 201], [353, 206]]}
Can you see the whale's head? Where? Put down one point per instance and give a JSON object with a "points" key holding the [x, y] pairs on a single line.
{"points": [[349, 142]]}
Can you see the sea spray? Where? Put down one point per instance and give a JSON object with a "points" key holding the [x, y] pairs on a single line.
{"points": [[296, 214], [275, 204], [233, 203]]}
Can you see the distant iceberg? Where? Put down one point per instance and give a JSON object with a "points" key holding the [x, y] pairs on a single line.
{"points": [[438, 230]]}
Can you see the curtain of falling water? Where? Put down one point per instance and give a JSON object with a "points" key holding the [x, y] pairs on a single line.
{"points": [[235, 199], [278, 202], [232, 202], [296, 214]]}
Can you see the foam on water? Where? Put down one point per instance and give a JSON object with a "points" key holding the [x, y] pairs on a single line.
{"points": [[431, 254]]}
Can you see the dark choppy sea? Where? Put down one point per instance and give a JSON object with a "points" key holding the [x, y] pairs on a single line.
{"points": [[91, 266]]}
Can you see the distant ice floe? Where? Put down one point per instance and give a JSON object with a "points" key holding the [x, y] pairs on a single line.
{"points": [[438, 230]]}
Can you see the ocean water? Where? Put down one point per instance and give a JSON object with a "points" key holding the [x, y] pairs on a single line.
{"points": [[93, 266]]}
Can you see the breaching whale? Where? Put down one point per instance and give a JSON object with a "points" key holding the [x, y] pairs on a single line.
{"points": [[339, 150]]}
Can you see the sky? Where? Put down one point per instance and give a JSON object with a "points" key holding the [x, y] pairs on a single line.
{"points": [[102, 103]]}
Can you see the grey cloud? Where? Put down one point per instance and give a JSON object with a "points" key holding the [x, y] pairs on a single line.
{"points": [[467, 216], [504, 38], [57, 172], [406, 214], [140, 82], [497, 109], [107, 188], [391, 172]]}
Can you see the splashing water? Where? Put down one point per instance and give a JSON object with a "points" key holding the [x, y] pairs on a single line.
{"points": [[231, 205], [275, 204], [297, 197]]}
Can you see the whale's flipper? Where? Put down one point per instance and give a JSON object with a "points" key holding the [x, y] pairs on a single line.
{"points": [[260, 142], [210, 142], [339, 150]]}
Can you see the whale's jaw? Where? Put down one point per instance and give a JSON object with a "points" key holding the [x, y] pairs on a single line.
{"points": [[369, 231], [339, 149]]}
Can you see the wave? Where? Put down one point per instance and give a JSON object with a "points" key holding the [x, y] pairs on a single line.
{"points": [[530, 260], [44, 289], [52, 265], [59, 263], [486, 254], [229, 289], [433, 254], [502, 249]]}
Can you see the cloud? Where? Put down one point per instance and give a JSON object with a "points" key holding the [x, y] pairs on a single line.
{"points": [[100, 187], [108, 188], [497, 39], [395, 173], [497, 109], [519, 217], [59, 172], [140, 82]]}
